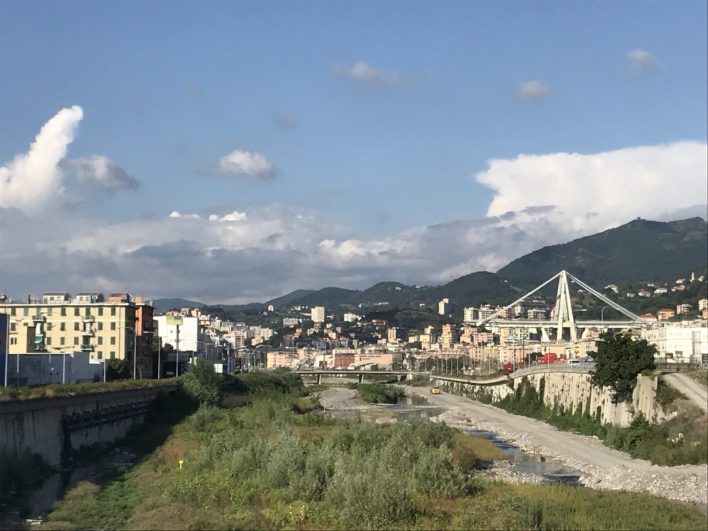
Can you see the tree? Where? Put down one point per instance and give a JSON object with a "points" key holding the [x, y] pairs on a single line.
{"points": [[202, 383], [619, 360]]}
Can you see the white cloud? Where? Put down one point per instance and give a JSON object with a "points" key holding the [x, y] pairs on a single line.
{"points": [[99, 173], [242, 256], [534, 90], [361, 72], [231, 217], [641, 61], [614, 186], [33, 179], [178, 215], [249, 163]]}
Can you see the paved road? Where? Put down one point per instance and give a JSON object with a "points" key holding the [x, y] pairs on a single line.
{"points": [[694, 391], [601, 467]]}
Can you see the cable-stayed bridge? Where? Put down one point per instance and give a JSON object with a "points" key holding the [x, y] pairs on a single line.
{"points": [[562, 316]]}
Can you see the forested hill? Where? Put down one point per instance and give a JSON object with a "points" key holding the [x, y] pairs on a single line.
{"points": [[640, 250]]}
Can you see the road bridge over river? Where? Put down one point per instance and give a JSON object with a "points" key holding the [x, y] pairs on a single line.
{"points": [[359, 373]]}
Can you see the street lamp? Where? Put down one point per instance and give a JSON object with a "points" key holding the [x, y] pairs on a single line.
{"points": [[602, 317], [135, 351]]}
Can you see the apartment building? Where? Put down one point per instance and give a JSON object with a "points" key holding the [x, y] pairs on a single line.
{"points": [[105, 328]]}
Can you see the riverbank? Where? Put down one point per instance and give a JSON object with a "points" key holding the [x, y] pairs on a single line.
{"points": [[270, 465], [601, 467]]}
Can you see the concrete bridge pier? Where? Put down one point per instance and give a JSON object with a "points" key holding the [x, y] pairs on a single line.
{"points": [[319, 378]]}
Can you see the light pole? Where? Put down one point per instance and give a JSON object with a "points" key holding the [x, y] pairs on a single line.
{"points": [[602, 317], [135, 351]]}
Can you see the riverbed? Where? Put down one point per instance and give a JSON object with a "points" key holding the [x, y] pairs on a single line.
{"points": [[517, 466]]}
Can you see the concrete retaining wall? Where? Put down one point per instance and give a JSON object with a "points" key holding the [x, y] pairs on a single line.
{"points": [[567, 390], [55, 427]]}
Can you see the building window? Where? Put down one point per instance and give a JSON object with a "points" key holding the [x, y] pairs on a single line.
{"points": [[49, 311], [100, 341], [100, 311], [99, 326], [13, 327], [76, 327], [88, 312], [113, 354], [13, 311], [99, 355], [76, 340], [62, 327], [62, 312], [13, 341], [113, 340], [77, 312], [48, 341], [113, 326], [25, 312], [113, 310], [61, 340]]}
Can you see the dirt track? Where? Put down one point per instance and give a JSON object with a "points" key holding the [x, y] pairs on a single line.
{"points": [[602, 467], [695, 392]]}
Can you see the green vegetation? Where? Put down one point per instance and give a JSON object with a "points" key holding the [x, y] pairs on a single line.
{"points": [[19, 476], [264, 466], [202, 383], [418, 380], [25, 392], [619, 360], [665, 394], [661, 444], [640, 250], [377, 393]]}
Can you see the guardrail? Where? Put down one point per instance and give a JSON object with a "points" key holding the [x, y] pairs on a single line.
{"points": [[578, 368]]}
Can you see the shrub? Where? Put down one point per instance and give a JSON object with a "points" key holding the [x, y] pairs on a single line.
{"points": [[202, 383]]}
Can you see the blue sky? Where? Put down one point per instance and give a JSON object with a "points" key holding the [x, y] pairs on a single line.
{"points": [[168, 88]]}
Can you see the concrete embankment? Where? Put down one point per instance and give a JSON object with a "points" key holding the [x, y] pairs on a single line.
{"points": [[567, 389], [55, 427]]}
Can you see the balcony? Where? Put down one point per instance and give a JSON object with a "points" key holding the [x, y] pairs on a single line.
{"points": [[85, 347]]}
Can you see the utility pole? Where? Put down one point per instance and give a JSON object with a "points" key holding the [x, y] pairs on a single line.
{"points": [[177, 358]]}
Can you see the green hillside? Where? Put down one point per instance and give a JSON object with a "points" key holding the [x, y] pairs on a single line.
{"points": [[638, 251]]}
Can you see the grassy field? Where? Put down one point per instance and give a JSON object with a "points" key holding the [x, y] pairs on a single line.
{"points": [[275, 464]]}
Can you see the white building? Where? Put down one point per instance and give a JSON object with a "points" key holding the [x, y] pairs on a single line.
{"points": [[190, 338], [680, 343], [317, 314], [444, 306], [351, 317], [470, 314]]}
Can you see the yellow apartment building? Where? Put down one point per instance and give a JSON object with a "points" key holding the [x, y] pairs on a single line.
{"points": [[88, 323]]}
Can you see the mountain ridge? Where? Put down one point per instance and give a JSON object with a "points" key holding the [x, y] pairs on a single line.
{"points": [[640, 250]]}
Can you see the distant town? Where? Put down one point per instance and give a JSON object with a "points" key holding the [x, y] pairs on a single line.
{"points": [[63, 338]]}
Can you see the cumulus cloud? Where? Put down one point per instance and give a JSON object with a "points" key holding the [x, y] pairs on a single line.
{"points": [[33, 179], [361, 72], [256, 253], [228, 218], [246, 163], [99, 173], [534, 90], [614, 186], [641, 61]]}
